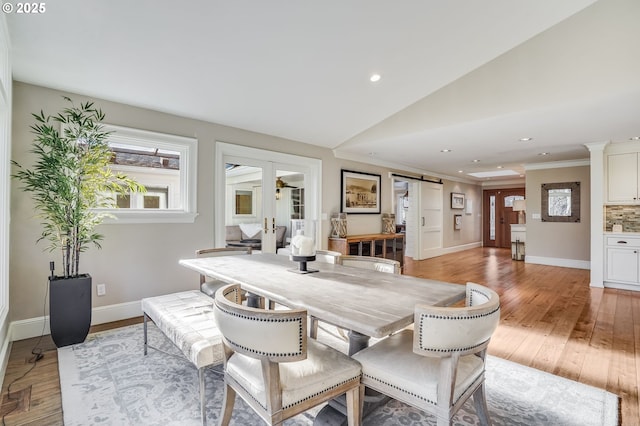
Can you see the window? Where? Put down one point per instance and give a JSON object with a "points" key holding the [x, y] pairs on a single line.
{"points": [[165, 165]]}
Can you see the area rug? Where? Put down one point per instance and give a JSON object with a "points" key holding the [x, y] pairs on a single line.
{"points": [[108, 381]]}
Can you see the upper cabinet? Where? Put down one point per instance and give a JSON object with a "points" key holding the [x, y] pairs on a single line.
{"points": [[623, 178]]}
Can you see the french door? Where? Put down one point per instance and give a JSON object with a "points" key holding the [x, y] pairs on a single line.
{"points": [[269, 195], [498, 216]]}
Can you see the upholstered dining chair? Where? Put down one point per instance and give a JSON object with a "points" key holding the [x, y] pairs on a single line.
{"points": [[440, 364], [275, 369], [210, 286], [327, 256], [369, 262]]}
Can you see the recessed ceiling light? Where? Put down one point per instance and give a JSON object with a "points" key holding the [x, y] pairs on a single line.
{"points": [[635, 138], [475, 161], [499, 167], [525, 139], [445, 150], [460, 171], [544, 153], [375, 77]]}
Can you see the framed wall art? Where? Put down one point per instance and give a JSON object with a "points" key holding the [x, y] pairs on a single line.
{"points": [[457, 200], [360, 192]]}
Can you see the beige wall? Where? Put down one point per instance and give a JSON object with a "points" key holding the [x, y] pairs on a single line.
{"points": [[137, 261], [471, 231], [556, 239]]}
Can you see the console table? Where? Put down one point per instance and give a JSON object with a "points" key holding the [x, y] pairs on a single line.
{"points": [[354, 244]]}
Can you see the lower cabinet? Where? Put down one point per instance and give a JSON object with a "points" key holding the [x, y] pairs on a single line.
{"points": [[622, 260]]}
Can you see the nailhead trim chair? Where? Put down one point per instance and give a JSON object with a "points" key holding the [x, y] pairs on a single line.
{"points": [[274, 368], [441, 364], [369, 262], [211, 286]]}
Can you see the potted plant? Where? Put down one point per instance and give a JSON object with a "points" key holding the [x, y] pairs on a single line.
{"points": [[69, 182]]}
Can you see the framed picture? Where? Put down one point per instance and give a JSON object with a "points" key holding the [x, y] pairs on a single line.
{"points": [[457, 200], [457, 221], [244, 203], [360, 192]]}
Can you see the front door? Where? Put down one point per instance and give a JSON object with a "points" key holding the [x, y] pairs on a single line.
{"points": [[498, 215]]}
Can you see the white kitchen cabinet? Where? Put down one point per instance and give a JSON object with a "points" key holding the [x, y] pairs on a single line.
{"points": [[622, 257], [623, 185]]}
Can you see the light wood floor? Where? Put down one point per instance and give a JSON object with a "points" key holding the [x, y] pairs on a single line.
{"points": [[550, 319]]}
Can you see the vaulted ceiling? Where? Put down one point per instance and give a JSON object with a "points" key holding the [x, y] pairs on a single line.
{"points": [[472, 77]]}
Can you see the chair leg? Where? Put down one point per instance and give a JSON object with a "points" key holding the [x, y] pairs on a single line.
{"points": [[203, 411], [480, 403], [354, 406], [313, 327], [144, 327], [227, 405]]}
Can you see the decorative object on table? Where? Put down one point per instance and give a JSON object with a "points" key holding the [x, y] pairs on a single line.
{"points": [[302, 251], [388, 223], [457, 200], [338, 225], [360, 192], [70, 180], [520, 206], [457, 222]]}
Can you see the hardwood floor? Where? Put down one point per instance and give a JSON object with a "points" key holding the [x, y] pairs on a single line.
{"points": [[550, 319]]}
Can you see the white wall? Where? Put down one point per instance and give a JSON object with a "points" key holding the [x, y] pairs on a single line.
{"points": [[5, 154]]}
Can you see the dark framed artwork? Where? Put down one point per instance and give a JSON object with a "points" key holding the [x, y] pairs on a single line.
{"points": [[457, 200], [560, 202], [360, 192]]}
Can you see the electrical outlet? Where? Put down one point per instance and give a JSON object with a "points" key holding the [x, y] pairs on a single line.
{"points": [[101, 289]]}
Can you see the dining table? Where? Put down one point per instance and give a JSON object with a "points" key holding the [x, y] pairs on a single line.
{"points": [[366, 302]]}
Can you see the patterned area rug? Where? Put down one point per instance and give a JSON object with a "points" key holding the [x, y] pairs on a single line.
{"points": [[107, 381]]}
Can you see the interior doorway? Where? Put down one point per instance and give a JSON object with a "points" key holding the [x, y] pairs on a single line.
{"points": [[498, 215]]}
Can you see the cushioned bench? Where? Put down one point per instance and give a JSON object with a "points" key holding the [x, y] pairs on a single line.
{"points": [[186, 318]]}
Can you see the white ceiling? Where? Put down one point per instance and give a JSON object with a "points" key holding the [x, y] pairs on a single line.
{"points": [[470, 76]]}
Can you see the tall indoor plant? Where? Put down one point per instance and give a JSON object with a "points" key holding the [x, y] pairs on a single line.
{"points": [[70, 179]]}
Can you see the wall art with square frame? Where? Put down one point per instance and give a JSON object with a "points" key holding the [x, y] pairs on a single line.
{"points": [[457, 200], [360, 192]]}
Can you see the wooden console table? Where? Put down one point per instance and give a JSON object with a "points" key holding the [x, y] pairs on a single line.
{"points": [[351, 243]]}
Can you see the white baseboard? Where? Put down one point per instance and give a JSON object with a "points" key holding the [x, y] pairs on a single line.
{"points": [[447, 250], [621, 286], [4, 358], [554, 261], [34, 327]]}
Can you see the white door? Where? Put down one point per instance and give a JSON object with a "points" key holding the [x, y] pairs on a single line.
{"points": [[430, 220], [265, 191]]}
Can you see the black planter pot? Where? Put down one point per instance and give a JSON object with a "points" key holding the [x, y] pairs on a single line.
{"points": [[69, 309]]}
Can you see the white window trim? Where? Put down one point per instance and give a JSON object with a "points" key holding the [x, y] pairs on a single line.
{"points": [[188, 149]]}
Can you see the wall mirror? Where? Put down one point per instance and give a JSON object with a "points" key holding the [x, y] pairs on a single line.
{"points": [[560, 202]]}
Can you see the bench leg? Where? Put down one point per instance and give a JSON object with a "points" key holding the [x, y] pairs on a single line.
{"points": [[146, 318], [203, 412]]}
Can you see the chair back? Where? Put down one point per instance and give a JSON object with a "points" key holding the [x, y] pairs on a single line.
{"points": [[369, 262], [327, 256], [444, 331], [277, 336], [224, 251]]}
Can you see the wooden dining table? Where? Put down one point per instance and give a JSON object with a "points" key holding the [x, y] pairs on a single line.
{"points": [[366, 302]]}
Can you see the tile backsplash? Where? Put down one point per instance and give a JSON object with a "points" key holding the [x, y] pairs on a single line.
{"points": [[627, 216]]}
